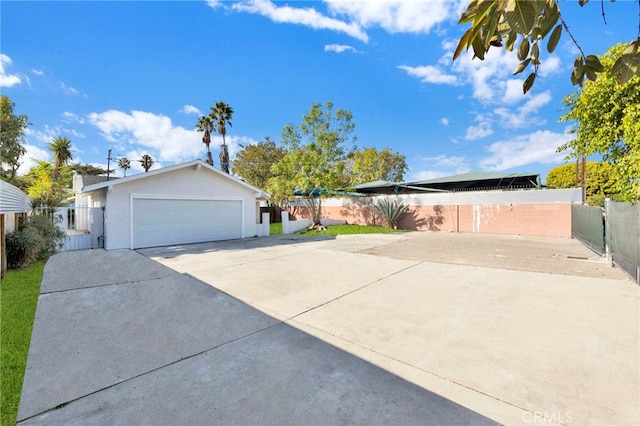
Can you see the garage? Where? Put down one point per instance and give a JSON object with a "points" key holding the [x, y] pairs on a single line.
{"points": [[162, 222], [181, 204]]}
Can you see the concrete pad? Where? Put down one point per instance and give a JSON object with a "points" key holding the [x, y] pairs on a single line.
{"points": [[517, 346], [560, 345], [277, 376], [288, 282], [86, 340], [91, 268]]}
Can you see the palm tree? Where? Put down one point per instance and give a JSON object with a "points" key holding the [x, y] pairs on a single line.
{"points": [[124, 164], [221, 115], [61, 148], [146, 162], [205, 125]]}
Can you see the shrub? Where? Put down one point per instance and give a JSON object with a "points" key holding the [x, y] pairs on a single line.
{"points": [[36, 239], [391, 211]]}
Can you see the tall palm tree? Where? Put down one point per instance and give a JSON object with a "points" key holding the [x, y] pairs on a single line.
{"points": [[146, 162], [124, 164], [221, 115], [60, 146], [205, 125]]}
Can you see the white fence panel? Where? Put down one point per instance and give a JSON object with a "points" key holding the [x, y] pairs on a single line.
{"points": [[78, 242]]}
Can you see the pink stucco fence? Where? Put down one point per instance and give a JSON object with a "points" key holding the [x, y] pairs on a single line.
{"points": [[534, 212]]}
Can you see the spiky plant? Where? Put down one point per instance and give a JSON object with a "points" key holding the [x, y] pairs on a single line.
{"points": [[391, 211]]}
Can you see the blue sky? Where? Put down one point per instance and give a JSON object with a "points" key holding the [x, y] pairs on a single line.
{"points": [[134, 77]]}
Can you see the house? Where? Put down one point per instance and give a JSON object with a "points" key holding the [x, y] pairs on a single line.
{"points": [[13, 202], [181, 204]]}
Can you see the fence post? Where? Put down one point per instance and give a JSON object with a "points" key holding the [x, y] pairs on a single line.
{"points": [[266, 230], [607, 230], [285, 222]]}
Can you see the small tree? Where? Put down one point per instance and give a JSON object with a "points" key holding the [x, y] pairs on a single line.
{"points": [[315, 157], [37, 238], [369, 164], [12, 147], [253, 162]]}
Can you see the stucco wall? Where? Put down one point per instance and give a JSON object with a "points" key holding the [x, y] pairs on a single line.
{"points": [[513, 218], [185, 182]]}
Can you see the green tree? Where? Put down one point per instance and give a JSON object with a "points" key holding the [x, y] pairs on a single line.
{"points": [[221, 115], [61, 149], [146, 161], [253, 162], [600, 179], [505, 23], [205, 125], [315, 157], [606, 117], [45, 187], [12, 147], [87, 169], [125, 164], [369, 164]]}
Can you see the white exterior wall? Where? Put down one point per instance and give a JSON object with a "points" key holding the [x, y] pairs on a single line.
{"points": [[187, 182]]}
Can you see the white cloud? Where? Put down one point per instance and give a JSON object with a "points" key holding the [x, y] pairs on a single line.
{"points": [[428, 174], [190, 109], [70, 117], [37, 72], [444, 121], [46, 135], [302, 16], [69, 90], [31, 157], [339, 48], [397, 16], [7, 80], [537, 147], [525, 115], [429, 74], [162, 140], [480, 130]]}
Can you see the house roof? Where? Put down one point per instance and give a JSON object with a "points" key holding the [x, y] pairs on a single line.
{"points": [[152, 173], [12, 199], [464, 182], [93, 179]]}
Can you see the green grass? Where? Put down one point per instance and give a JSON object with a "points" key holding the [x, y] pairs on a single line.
{"points": [[351, 229], [19, 291], [275, 228]]}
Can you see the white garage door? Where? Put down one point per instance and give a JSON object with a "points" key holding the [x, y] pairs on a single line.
{"points": [[163, 222]]}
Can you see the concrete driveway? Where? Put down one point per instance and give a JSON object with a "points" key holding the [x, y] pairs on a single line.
{"points": [[419, 328], [517, 329]]}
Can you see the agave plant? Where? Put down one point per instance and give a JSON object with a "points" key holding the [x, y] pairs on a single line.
{"points": [[391, 211]]}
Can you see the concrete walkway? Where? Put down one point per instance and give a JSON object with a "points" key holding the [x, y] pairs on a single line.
{"points": [[119, 339]]}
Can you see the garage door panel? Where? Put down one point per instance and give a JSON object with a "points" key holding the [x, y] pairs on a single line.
{"points": [[158, 222]]}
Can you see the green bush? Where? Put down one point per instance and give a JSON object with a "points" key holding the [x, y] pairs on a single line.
{"points": [[391, 211], [37, 238]]}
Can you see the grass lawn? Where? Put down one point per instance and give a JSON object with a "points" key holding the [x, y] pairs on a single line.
{"points": [[19, 291], [351, 229], [275, 228]]}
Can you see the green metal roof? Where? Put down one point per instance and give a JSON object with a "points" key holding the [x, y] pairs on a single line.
{"points": [[464, 182]]}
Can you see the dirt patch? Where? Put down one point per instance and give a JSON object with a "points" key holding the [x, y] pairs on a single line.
{"points": [[535, 254]]}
